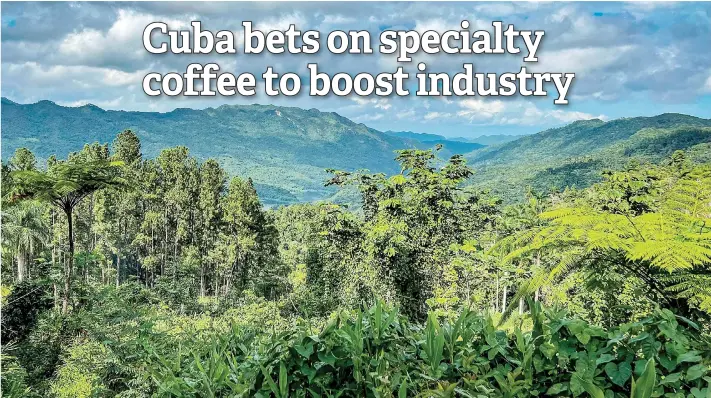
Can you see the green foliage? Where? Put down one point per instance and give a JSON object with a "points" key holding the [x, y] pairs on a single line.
{"points": [[24, 231], [379, 353], [188, 286], [653, 221], [14, 383], [65, 184], [319, 242], [82, 373], [21, 308], [23, 159], [413, 220]]}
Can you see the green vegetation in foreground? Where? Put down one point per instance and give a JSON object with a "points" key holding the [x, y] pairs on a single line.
{"points": [[127, 345], [134, 277]]}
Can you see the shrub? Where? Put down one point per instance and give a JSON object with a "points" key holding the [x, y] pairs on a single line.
{"points": [[81, 374], [380, 353], [19, 314]]}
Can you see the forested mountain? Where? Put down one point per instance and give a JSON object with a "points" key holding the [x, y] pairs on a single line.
{"points": [[493, 139], [416, 136], [482, 140], [451, 146], [284, 150], [576, 154]]}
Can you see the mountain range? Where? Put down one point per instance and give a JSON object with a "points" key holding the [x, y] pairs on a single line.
{"points": [[482, 140], [285, 150], [574, 155]]}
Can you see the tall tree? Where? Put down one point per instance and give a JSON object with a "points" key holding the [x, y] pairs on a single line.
{"points": [[118, 209], [23, 159], [24, 231], [412, 222], [65, 185], [212, 186]]}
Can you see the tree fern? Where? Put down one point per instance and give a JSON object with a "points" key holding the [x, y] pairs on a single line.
{"points": [[669, 240]]}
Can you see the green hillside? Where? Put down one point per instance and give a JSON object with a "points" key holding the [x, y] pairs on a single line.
{"points": [[493, 139], [450, 147], [482, 140], [416, 136], [283, 149], [576, 154]]}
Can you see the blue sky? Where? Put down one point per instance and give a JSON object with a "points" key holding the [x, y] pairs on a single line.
{"points": [[630, 59]]}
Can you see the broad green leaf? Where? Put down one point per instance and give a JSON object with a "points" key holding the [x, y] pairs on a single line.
{"points": [[604, 358], [644, 386], [695, 372], [618, 373]]}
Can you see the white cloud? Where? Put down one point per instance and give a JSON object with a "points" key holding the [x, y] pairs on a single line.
{"points": [[437, 115], [581, 60], [121, 43], [377, 103], [80, 76], [597, 95], [369, 117], [479, 111], [707, 86], [562, 14], [640, 9], [498, 8], [407, 114], [337, 19], [282, 22], [476, 109]]}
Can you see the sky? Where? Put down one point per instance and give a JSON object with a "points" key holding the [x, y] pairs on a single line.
{"points": [[630, 59]]}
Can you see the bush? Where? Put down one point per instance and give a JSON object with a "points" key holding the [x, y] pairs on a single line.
{"points": [[14, 377], [19, 314], [380, 353], [81, 374]]}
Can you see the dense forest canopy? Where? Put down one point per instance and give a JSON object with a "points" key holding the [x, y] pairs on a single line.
{"points": [[127, 275]]}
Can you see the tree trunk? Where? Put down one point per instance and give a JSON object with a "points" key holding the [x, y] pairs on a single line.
{"points": [[68, 265], [21, 266], [520, 306], [496, 300], [28, 264], [175, 256], [202, 280], [54, 284], [228, 282], [165, 245], [118, 269], [538, 266], [55, 292], [503, 299]]}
